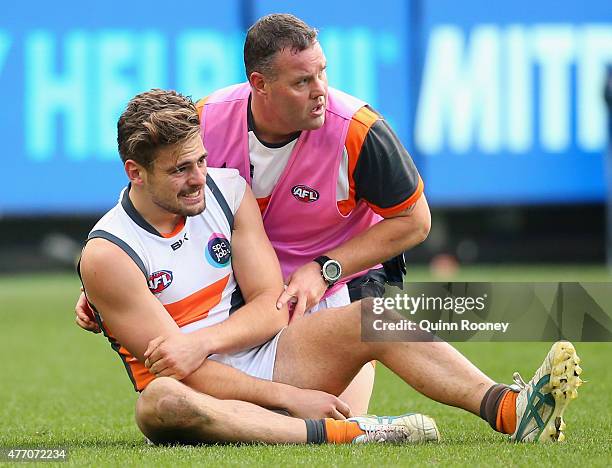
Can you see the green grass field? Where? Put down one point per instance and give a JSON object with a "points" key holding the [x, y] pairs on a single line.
{"points": [[63, 387]]}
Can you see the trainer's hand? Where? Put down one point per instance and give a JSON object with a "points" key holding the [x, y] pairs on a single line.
{"points": [[307, 286], [175, 356], [314, 404], [84, 315]]}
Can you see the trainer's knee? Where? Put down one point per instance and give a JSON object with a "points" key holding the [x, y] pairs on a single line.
{"points": [[164, 410]]}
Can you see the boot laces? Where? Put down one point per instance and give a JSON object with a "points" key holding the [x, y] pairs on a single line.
{"points": [[518, 380], [385, 433]]}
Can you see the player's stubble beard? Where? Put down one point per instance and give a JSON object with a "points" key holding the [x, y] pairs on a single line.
{"points": [[176, 207]]}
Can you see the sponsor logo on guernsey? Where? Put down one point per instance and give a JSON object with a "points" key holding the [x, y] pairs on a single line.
{"points": [[159, 281], [218, 251], [304, 193]]}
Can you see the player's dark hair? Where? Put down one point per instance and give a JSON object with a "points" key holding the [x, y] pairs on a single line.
{"points": [[272, 34], [152, 120]]}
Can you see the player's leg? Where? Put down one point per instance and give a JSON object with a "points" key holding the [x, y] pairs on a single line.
{"points": [[168, 411], [324, 351], [335, 352], [359, 391]]}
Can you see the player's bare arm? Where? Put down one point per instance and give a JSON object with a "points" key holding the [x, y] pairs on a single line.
{"points": [[119, 292], [258, 274], [84, 315]]}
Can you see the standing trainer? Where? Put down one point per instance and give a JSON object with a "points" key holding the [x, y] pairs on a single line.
{"points": [[338, 192], [330, 176]]}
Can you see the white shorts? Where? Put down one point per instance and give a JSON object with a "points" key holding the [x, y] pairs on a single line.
{"points": [[339, 298], [256, 362], [259, 362]]}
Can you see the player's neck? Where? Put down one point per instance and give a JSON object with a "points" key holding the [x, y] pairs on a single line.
{"points": [[160, 219], [264, 127]]}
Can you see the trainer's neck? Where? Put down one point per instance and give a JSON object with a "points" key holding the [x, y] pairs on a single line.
{"points": [[264, 127]]}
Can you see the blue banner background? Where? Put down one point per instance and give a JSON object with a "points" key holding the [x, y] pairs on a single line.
{"points": [[497, 105]]}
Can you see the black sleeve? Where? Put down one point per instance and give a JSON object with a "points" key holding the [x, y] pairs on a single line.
{"points": [[385, 175]]}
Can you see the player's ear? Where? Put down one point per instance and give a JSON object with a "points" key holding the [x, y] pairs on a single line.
{"points": [[134, 171]]}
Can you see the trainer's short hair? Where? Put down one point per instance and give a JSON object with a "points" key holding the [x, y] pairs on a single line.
{"points": [[153, 120], [272, 34]]}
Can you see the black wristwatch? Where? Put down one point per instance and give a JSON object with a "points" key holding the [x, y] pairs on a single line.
{"points": [[331, 270]]}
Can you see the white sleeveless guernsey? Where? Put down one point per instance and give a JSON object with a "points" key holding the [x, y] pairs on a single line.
{"points": [[189, 271]]}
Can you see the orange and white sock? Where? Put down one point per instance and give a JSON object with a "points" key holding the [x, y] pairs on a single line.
{"points": [[498, 408], [341, 432], [506, 413]]}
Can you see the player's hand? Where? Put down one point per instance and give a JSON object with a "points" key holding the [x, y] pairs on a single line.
{"points": [[175, 356], [306, 286], [314, 404], [84, 315]]}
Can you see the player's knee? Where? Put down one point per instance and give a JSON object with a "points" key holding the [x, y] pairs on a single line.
{"points": [[147, 406], [164, 410]]}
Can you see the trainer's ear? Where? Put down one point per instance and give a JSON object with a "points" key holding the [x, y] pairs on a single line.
{"points": [[258, 83], [135, 172]]}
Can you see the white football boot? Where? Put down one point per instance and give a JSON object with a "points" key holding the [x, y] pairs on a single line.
{"points": [[541, 402], [407, 428]]}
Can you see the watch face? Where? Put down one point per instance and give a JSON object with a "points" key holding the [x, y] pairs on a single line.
{"points": [[332, 270]]}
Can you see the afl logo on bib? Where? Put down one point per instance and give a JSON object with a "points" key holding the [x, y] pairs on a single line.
{"points": [[159, 281], [304, 193], [218, 251]]}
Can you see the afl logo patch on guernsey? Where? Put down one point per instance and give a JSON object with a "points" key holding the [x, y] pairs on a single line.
{"points": [[304, 193], [159, 281], [218, 251]]}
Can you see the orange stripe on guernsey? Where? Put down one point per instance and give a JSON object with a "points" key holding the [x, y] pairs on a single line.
{"points": [[196, 306], [190, 309], [175, 231], [393, 210], [141, 377], [358, 129]]}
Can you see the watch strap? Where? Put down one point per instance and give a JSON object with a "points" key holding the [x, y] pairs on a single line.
{"points": [[321, 260]]}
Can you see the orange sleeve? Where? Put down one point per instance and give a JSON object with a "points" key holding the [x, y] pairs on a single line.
{"points": [[381, 171], [393, 210], [359, 127], [200, 105]]}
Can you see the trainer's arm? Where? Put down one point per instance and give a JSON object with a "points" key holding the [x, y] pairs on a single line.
{"points": [[382, 241], [118, 289], [385, 178]]}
